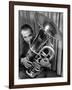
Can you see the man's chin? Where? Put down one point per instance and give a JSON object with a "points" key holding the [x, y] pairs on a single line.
{"points": [[27, 41]]}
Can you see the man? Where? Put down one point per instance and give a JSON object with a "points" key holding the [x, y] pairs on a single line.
{"points": [[27, 35], [27, 61]]}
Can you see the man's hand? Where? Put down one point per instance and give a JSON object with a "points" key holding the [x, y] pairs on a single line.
{"points": [[26, 62]]}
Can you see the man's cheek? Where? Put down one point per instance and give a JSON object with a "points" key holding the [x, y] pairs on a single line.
{"points": [[30, 38]]}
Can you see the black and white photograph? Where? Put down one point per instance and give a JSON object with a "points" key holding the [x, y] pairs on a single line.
{"points": [[39, 44]]}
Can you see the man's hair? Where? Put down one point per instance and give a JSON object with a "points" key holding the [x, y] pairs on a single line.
{"points": [[25, 27]]}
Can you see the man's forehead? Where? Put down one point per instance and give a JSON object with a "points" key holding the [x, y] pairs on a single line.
{"points": [[25, 32]]}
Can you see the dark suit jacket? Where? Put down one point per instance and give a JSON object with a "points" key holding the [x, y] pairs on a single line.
{"points": [[24, 47]]}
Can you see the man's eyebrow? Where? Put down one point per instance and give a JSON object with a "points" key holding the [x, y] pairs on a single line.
{"points": [[25, 36], [30, 35]]}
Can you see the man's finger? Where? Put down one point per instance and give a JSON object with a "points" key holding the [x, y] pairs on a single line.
{"points": [[29, 62], [28, 65]]}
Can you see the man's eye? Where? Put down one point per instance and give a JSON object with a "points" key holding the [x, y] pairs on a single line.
{"points": [[30, 35], [25, 37]]}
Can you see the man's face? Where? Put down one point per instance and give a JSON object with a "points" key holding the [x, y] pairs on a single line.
{"points": [[26, 35]]}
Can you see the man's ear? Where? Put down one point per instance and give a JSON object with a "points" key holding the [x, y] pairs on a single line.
{"points": [[21, 33]]}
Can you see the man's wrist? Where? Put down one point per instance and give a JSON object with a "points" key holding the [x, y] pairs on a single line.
{"points": [[23, 60]]}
